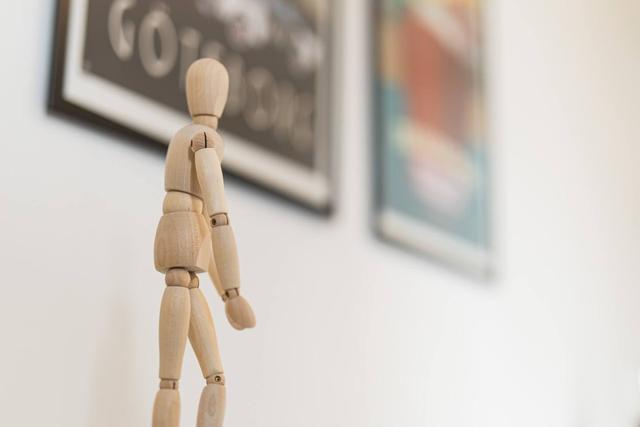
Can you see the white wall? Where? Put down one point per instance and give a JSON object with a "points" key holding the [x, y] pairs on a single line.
{"points": [[351, 332]]}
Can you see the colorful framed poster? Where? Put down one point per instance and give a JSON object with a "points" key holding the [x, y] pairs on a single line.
{"points": [[121, 64], [432, 166]]}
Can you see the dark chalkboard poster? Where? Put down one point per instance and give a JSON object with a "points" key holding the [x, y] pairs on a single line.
{"points": [[122, 63]]}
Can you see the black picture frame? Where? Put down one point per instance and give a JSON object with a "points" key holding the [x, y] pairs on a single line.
{"points": [[321, 175]]}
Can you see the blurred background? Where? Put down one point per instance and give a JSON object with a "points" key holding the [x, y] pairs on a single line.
{"points": [[351, 331]]}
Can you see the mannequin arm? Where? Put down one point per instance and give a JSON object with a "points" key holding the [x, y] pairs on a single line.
{"points": [[225, 255], [213, 270]]}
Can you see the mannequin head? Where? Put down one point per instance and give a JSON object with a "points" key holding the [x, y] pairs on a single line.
{"points": [[207, 88]]}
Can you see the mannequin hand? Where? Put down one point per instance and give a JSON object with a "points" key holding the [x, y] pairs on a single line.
{"points": [[239, 312]]}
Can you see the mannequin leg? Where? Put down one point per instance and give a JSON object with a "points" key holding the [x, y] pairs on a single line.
{"points": [[211, 406], [174, 327], [202, 335]]}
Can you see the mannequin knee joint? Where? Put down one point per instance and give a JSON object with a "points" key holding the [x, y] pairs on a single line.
{"points": [[168, 384], [216, 379]]}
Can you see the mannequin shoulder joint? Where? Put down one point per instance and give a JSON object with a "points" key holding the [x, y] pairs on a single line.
{"points": [[208, 138]]}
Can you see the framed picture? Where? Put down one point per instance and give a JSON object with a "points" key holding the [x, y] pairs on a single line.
{"points": [[432, 156], [122, 63]]}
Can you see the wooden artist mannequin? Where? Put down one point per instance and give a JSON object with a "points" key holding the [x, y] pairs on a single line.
{"points": [[194, 235]]}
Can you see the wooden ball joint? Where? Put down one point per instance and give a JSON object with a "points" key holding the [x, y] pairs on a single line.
{"points": [[195, 235]]}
